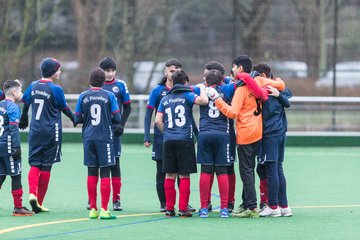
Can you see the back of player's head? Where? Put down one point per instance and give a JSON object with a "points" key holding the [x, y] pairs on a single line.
{"points": [[49, 66], [97, 77], [180, 77], [213, 77], [215, 65], [11, 84], [245, 61], [263, 67], [107, 63], [173, 62]]}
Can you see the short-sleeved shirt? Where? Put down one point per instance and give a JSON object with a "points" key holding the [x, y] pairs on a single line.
{"points": [[119, 89], [177, 110], [9, 116], [47, 100], [96, 107], [155, 97]]}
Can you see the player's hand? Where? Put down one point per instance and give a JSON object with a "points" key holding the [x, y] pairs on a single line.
{"points": [[118, 130], [273, 91], [16, 153], [24, 121], [147, 144], [254, 74], [212, 93]]}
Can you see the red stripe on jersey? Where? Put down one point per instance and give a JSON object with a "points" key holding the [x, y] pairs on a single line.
{"points": [[150, 107], [45, 80], [14, 123], [128, 102]]}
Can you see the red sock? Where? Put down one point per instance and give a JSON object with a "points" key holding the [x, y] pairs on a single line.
{"points": [[116, 187], [33, 179], [204, 186], [184, 193], [92, 190], [17, 195], [223, 182], [43, 186], [232, 182], [105, 192], [263, 191], [170, 193], [210, 187]]}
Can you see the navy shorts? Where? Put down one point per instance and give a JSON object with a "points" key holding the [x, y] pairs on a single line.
{"points": [[117, 146], [45, 155], [9, 166], [157, 149], [179, 157], [272, 149], [98, 154], [214, 149]]}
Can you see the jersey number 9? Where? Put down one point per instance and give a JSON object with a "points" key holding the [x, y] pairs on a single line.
{"points": [[95, 111]]}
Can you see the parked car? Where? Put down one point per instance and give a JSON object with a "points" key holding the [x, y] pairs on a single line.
{"points": [[142, 74], [289, 69], [347, 75]]}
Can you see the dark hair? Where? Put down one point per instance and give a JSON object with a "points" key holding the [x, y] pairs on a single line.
{"points": [[11, 84], [107, 63], [263, 67], [173, 62], [245, 61], [180, 77], [97, 77], [213, 77], [215, 65], [163, 81]]}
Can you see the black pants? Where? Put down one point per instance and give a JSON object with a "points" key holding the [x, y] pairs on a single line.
{"points": [[247, 154], [160, 179]]}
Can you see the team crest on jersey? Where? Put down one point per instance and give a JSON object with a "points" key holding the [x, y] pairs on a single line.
{"points": [[115, 89]]}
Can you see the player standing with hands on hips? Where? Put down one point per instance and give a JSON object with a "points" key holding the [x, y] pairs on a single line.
{"points": [[47, 101]]}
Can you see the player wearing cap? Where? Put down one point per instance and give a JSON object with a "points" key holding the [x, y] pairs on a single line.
{"points": [[47, 101]]}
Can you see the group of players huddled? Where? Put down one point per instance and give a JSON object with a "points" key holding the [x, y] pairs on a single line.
{"points": [[251, 97]]}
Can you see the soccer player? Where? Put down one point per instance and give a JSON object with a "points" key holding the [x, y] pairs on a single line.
{"points": [[96, 109], [2, 95], [157, 93], [120, 90], [246, 109], [174, 118], [214, 153], [10, 149], [47, 101], [273, 146]]}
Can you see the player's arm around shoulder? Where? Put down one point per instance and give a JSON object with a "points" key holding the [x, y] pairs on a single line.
{"points": [[277, 83], [203, 98]]}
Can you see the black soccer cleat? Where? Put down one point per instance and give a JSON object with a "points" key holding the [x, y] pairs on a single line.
{"points": [[170, 213], [34, 203], [117, 206], [88, 206], [230, 207], [184, 214], [209, 207], [190, 209]]}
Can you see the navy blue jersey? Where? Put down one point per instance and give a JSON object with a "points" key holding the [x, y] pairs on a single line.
{"points": [[2, 95], [211, 119], [95, 108], [120, 90], [9, 130], [157, 93], [178, 117], [47, 100], [274, 116]]}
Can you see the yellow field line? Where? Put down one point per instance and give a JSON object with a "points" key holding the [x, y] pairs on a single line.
{"points": [[12, 229]]}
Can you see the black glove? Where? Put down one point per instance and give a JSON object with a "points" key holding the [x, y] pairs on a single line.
{"points": [[24, 121], [118, 130], [16, 153], [254, 74]]}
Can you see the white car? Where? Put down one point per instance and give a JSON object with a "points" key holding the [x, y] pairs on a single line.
{"points": [[347, 75]]}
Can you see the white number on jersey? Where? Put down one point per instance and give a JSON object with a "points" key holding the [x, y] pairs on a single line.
{"points": [[213, 110], [95, 111], [40, 108], [180, 119]]}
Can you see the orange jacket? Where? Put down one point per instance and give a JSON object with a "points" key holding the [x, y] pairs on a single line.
{"points": [[244, 107]]}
